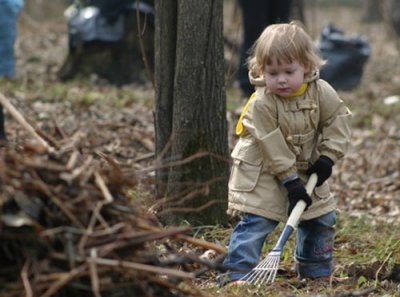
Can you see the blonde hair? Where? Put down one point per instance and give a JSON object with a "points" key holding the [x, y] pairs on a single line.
{"points": [[286, 43]]}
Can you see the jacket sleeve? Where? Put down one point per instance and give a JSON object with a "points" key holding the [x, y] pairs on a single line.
{"points": [[334, 124], [261, 122]]}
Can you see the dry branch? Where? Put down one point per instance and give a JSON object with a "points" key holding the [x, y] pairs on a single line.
{"points": [[73, 217], [20, 119]]}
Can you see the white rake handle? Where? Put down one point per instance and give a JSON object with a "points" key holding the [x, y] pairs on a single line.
{"points": [[301, 205]]}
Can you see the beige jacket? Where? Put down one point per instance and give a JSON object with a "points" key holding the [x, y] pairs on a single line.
{"points": [[281, 137]]}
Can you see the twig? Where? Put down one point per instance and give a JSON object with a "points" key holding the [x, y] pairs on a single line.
{"points": [[203, 243], [103, 188], [176, 200], [90, 227], [72, 160], [190, 209], [73, 141], [138, 238], [38, 164], [69, 177], [382, 265], [143, 267], [166, 148], [25, 279], [93, 273], [357, 294], [44, 187], [63, 280], [143, 157], [198, 242], [20, 119], [183, 161]]}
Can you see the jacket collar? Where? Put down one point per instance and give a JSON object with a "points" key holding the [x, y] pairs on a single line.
{"points": [[258, 80]]}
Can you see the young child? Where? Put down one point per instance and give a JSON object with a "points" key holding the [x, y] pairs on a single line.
{"points": [[292, 126]]}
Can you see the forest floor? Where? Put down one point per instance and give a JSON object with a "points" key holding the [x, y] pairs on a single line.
{"points": [[118, 121]]}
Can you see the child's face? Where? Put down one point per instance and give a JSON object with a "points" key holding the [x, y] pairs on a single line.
{"points": [[284, 79]]}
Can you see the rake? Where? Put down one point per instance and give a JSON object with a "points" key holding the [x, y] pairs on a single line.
{"points": [[265, 271]]}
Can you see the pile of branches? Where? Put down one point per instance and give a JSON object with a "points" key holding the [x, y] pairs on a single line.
{"points": [[68, 228]]}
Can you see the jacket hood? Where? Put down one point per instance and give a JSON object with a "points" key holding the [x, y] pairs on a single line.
{"points": [[259, 81]]}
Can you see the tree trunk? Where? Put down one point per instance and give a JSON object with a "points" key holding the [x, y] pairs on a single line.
{"points": [[394, 15], [164, 60], [298, 10], [190, 115], [372, 11]]}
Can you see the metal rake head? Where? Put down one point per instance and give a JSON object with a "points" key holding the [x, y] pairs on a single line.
{"points": [[265, 272]]}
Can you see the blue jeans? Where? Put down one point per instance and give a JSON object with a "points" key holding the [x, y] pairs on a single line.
{"points": [[9, 11], [314, 246]]}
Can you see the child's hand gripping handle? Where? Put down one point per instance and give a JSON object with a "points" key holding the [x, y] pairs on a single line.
{"points": [[301, 205]]}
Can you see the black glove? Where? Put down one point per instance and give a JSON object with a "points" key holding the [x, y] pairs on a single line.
{"points": [[323, 168], [296, 192]]}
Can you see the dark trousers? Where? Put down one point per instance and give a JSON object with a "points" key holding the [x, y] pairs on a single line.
{"points": [[258, 14], [2, 130]]}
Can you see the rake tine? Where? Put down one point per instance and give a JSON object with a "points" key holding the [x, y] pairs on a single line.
{"points": [[272, 275], [260, 275], [266, 269], [253, 275], [260, 278], [270, 271]]}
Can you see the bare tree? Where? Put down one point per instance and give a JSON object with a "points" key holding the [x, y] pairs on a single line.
{"points": [[298, 10], [190, 112], [393, 7], [386, 10], [372, 11]]}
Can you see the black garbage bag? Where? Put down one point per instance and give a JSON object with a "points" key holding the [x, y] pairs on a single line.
{"points": [[346, 57], [110, 40], [102, 20]]}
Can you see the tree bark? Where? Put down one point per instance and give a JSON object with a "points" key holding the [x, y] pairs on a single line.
{"points": [[298, 10], [190, 113], [165, 48], [372, 11], [394, 15]]}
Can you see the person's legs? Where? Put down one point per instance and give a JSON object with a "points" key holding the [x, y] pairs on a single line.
{"points": [[3, 136], [314, 246], [245, 246], [279, 11], [254, 16], [9, 11]]}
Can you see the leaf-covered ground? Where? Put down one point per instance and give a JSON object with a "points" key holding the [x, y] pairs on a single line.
{"points": [[119, 122]]}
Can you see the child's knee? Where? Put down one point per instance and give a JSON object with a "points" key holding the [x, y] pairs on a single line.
{"points": [[314, 270]]}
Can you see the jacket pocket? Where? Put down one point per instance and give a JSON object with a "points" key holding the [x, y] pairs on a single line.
{"points": [[247, 165]]}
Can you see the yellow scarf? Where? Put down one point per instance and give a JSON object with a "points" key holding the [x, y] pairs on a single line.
{"points": [[300, 91], [240, 129]]}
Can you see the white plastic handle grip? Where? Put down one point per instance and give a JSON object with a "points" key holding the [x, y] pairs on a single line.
{"points": [[301, 205]]}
